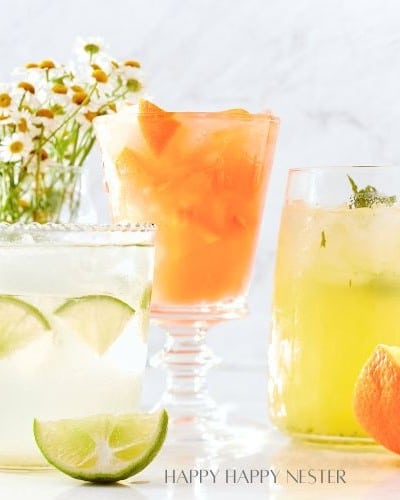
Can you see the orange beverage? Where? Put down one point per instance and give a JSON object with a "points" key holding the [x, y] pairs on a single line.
{"points": [[201, 177]]}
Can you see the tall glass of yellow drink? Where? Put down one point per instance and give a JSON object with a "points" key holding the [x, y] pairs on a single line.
{"points": [[336, 296]]}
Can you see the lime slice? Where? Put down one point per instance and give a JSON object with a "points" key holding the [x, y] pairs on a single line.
{"points": [[98, 319], [20, 323], [102, 448]]}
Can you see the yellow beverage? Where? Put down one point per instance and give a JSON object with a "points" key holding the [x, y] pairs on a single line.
{"points": [[337, 295]]}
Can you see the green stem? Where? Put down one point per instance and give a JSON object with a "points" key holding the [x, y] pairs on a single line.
{"points": [[75, 142], [86, 151], [68, 119]]}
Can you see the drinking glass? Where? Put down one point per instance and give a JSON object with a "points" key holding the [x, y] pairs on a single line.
{"points": [[74, 306], [201, 177], [337, 295]]}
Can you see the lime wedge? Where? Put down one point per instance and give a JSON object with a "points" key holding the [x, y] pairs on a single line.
{"points": [[20, 323], [102, 448], [98, 319]]}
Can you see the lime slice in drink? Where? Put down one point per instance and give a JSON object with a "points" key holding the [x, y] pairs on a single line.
{"points": [[102, 448], [20, 323], [98, 319]]}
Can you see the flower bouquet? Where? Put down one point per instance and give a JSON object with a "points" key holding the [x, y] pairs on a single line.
{"points": [[46, 130]]}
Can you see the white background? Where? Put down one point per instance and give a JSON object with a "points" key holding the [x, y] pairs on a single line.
{"points": [[330, 69]]}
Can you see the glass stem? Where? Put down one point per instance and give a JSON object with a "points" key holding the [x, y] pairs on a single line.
{"points": [[187, 360]]}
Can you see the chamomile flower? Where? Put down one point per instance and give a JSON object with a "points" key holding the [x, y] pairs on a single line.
{"points": [[15, 147], [42, 71], [6, 118], [46, 119], [130, 69], [7, 99], [58, 95], [90, 48], [97, 102], [50, 99], [23, 121], [25, 100]]}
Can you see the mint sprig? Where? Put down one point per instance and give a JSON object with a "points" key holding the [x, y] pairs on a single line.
{"points": [[368, 197]]}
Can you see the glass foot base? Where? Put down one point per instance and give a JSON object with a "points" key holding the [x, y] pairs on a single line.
{"points": [[327, 439], [214, 439], [334, 440]]}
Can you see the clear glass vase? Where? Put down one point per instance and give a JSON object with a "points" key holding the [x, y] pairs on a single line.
{"points": [[49, 193]]}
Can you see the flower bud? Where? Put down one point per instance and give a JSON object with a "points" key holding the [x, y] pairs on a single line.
{"points": [[91, 48], [28, 87], [47, 64], [80, 98], [59, 88], [100, 76], [133, 85], [45, 113], [132, 64]]}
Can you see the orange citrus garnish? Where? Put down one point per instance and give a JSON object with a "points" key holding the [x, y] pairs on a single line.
{"points": [[157, 125], [377, 396]]}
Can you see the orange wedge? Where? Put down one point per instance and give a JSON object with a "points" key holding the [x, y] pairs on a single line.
{"points": [[377, 396], [157, 125], [239, 112]]}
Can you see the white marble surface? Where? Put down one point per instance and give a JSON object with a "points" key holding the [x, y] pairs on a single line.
{"points": [[370, 473], [328, 69]]}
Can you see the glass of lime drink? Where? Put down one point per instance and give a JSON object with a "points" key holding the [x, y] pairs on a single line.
{"points": [[74, 303], [336, 296]]}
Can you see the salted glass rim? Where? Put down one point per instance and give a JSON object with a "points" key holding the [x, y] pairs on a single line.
{"points": [[332, 168], [77, 227], [75, 234]]}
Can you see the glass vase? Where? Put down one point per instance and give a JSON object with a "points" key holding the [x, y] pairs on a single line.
{"points": [[49, 193]]}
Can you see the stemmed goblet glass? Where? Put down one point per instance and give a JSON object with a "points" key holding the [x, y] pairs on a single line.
{"points": [[201, 177]]}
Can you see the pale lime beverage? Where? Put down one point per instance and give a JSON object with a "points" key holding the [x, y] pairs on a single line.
{"points": [[74, 304], [336, 295]]}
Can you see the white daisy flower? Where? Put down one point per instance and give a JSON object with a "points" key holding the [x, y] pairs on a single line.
{"points": [[58, 95], [7, 116], [7, 98], [90, 48], [15, 147], [39, 73], [24, 100], [23, 122], [130, 69], [97, 101], [45, 118]]}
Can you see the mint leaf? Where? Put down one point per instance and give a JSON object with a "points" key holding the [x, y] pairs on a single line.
{"points": [[323, 239], [368, 197]]}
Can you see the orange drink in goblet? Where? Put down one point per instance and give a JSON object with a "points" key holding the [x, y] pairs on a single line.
{"points": [[201, 177]]}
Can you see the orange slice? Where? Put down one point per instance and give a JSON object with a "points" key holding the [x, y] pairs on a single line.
{"points": [[377, 396], [157, 125], [239, 112], [127, 161]]}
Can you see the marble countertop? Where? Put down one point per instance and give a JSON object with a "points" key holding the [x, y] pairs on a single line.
{"points": [[368, 472]]}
